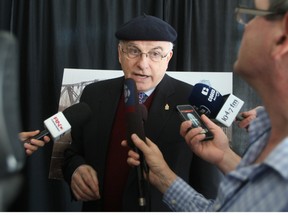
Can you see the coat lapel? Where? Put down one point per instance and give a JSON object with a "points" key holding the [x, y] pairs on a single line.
{"points": [[161, 108], [108, 106]]}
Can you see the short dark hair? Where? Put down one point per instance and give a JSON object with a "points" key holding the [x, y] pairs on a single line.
{"points": [[280, 6]]}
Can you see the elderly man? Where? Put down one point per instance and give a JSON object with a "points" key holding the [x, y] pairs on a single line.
{"points": [[95, 165]]}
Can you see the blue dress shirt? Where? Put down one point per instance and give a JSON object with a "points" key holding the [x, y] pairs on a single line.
{"points": [[251, 187]]}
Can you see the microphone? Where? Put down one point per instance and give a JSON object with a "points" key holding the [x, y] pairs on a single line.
{"points": [[135, 115], [60, 123], [207, 100]]}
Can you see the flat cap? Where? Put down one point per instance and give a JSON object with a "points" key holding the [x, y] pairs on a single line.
{"points": [[146, 27]]}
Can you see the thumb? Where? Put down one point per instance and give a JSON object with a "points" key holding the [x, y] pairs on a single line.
{"points": [[139, 143]]}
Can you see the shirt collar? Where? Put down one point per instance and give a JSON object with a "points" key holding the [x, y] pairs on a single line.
{"points": [[149, 92], [278, 158], [258, 136]]}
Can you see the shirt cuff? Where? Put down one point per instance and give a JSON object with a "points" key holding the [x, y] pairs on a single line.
{"points": [[181, 197]]}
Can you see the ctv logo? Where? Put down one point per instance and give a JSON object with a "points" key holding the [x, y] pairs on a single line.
{"points": [[57, 123], [205, 91]]}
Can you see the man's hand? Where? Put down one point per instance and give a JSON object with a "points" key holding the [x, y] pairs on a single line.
{"points": [[84, 183], [33, 144], [160, 175], [248, 117], [216, 151]]}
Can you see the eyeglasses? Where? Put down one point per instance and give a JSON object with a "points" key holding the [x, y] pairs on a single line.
{"points": [[245, 15], [133, 53]]}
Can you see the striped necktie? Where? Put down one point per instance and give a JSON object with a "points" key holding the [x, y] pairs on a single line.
{"points": [[142, 97]]}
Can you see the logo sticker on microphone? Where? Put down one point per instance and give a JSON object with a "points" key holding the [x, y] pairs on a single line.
{"points": [[57, 123], [126, 93], [205, 91], [129, 95]]}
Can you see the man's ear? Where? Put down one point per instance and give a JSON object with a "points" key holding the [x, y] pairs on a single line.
{"points": [[281, 47], [119, 53]]}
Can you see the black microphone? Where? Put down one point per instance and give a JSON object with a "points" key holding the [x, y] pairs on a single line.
{"points": [[135, 115], [61, 123], [207, 100]]}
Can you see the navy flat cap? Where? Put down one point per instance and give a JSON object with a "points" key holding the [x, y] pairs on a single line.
{"points": [[146, 27]]}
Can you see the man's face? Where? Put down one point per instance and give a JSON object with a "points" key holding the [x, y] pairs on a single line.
{"points": [[256, 44], [146, 72]]}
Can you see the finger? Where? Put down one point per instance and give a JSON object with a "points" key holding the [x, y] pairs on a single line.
{"points": [[46, 139], [90, 180], [197, 139], [210, 124], [36, 142], [30, 147], [133, 154], [149, 143], [244, 123], [193, 133], [138, 142], [124, 143], [26, 135], [132, 162], [95, 184], [28, 152], [22, 136], [185, 127], [78, 192]]}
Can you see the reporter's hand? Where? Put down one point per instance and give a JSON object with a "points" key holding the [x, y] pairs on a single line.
{"points": [[216, 151], [84, 184], [32, 145], [160, 175], [248, 117]]}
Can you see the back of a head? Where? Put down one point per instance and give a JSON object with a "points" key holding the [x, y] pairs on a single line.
{"points": [[12, 154], [279, 7]]}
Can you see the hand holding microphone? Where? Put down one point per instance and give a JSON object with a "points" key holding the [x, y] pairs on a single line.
{"points": [[61, 123], [33, 144], [247, 117]]}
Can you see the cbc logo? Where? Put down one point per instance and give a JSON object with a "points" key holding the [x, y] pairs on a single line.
{"points": [[205, 91]]}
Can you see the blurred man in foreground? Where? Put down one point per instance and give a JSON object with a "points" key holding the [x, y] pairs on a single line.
{"points": [[258, 182]]}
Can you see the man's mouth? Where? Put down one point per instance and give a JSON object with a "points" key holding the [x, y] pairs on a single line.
{"points": [[142, 76]]}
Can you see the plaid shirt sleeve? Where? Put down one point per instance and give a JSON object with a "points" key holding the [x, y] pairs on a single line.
{"points": [[182, 197]]}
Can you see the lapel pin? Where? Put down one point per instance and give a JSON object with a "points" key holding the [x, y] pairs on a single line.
{"points": [[166, 107]]}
